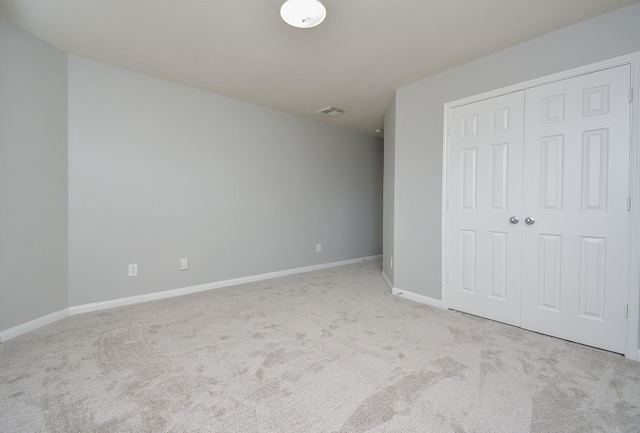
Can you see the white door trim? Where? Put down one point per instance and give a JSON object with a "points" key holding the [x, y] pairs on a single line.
{"points": [[631, 346]]}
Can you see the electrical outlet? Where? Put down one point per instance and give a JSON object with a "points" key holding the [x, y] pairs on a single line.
{"points": [[184, 264], [133, 270], [318, 248], [391, 262]]}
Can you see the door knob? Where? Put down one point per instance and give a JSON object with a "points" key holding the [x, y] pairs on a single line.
{"points": [[530, 220], [514, 220]]}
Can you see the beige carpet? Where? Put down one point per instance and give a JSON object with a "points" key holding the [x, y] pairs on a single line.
{"points": [[325, 351]]}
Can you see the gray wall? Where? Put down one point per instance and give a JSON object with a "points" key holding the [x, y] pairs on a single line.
{"points": [[388, 190], [419, 118], [33, 178], [158, 171]]}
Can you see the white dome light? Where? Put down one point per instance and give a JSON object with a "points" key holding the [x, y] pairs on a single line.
{"points": [[303, 13]]}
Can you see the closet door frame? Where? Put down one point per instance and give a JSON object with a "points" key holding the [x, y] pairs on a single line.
{"points": [[633, 298]]}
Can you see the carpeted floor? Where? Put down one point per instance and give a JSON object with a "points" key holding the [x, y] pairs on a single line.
{"points": [[325, 351]]}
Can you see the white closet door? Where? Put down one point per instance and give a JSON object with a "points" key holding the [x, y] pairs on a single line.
{"points": [[484, 181], [576, 174]]}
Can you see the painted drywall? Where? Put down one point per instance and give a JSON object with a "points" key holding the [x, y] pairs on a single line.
{"points": [[388, 189], [33, 177], [419, 131], [159, 171]]}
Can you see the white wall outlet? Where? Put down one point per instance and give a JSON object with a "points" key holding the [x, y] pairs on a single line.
{"points": [[391, 262], [318, 248], [133, 270], [184, 264]]}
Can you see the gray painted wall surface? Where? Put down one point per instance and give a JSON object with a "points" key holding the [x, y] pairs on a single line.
{"points": [[33, 177], [158, 171], [389, 176], [419, 132]]}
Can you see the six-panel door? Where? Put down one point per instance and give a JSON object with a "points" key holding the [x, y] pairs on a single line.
{"points": [[576, 183], [556, 157], [484, 191]]}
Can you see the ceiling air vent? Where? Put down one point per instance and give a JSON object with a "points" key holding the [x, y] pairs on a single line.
{"points": [[330, 111]]}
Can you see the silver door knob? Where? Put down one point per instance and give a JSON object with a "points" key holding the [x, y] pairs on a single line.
{"points": [[529, 220], [514, 220]]}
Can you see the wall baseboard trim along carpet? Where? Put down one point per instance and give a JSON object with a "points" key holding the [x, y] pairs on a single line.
{"points": [[81, 309], [387, 281], [417, 298], [33, 325], [410, 295]]}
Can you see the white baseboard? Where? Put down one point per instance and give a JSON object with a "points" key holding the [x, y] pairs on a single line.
{"points": [[411, 296], [417, 298], [387, 281], [81, 309], [33, 325]]}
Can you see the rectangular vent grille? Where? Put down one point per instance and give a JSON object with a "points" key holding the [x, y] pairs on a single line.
{"points": [[331, 111]]}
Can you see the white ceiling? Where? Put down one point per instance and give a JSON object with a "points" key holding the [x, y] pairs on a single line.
{"points": [[355, 60]]}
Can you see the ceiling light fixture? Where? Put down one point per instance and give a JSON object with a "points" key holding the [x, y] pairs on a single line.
{"points": [[303, 14]]}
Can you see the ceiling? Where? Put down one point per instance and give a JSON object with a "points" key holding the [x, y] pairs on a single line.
{"points": [[355, 60]]}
